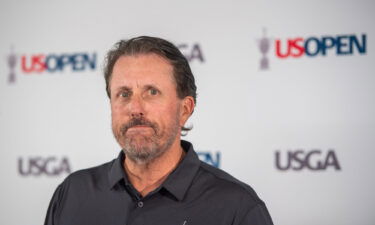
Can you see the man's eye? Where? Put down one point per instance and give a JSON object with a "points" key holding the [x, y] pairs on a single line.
{"points": [[125, 94], [153, 91]]}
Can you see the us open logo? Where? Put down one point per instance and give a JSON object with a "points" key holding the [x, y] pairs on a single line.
{"points": [[51, 63], [311, 46]]}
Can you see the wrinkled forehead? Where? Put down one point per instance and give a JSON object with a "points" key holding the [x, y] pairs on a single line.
{"points": [[142, 69]]}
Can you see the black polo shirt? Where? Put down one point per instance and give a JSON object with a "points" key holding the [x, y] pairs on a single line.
{"points": [[195, 193]]}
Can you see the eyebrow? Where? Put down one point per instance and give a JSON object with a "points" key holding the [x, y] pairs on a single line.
{"points": [[145, 87], [150, 86], [123, 88]]}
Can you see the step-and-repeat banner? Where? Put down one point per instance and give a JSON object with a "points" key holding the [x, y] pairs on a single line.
{"points": [[286, 98]]}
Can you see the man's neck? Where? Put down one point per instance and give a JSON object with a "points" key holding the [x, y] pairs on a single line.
{"points": [[145, 177]]}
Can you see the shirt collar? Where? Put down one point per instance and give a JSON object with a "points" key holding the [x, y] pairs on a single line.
{"points": [[177, 182], [116, 171], [180, 179]]}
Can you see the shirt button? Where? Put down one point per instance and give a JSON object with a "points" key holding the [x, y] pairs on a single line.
{"points": [[140, 204]]}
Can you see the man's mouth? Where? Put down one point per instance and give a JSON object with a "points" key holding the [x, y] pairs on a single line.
{"points": [[139, 128]]}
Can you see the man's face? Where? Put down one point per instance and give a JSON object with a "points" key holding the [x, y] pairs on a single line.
{"points": [[146, 111]]}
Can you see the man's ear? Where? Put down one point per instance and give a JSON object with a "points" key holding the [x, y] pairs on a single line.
{"points": [[187, 108]]}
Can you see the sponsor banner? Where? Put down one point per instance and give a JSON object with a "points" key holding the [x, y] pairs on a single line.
{"points": [[306, 79]]}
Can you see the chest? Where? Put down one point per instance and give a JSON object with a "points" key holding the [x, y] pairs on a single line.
{"points": [[160, 210]]}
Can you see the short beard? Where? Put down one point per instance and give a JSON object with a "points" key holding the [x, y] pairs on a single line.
{"points": [[144, 149]]}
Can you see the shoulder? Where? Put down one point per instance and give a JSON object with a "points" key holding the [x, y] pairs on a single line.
{"points": [[227, 186], [76, 189], [94, 177], [247, 207]]}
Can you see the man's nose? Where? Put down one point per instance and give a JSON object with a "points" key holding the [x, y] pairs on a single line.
{"points": [[136, 107]]}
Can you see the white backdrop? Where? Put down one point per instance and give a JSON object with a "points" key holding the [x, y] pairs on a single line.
{"points": [[318, 110]]}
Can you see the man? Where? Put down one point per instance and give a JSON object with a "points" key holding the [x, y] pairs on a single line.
{"points": [[157, 178]]}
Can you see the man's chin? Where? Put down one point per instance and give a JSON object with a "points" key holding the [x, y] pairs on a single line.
{"points": [[139, 139], [139, 144], [141, 154]]}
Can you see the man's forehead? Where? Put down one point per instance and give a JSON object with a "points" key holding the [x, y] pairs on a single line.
{"points": [[142, 61], [141, 70]]}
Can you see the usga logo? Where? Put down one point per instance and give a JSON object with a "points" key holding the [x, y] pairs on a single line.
{"points": [[192, 52], [311, 46], [300, 159], [37, 166]]}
